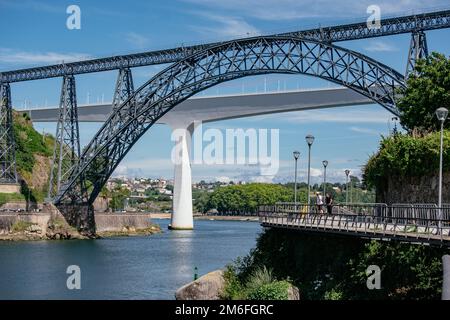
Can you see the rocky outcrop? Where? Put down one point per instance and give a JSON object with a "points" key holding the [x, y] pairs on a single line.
{"points": [[207, 287]]}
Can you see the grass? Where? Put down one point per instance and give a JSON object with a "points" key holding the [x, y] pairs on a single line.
{"points": [[9, 197], [20, 226]]}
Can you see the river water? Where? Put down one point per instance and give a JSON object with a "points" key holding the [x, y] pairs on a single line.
{"points": [[150, 267]]}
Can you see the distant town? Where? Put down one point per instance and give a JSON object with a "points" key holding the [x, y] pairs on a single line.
{"points": [[123, 194]]}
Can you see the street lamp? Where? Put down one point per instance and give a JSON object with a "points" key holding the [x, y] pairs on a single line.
{"points": [[309, 140], [441, 114], [347, 172], [325, 164], [296, 156]]}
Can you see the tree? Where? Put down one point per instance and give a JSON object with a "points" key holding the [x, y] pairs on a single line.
{"points": [[118, 197], [426, 91]]}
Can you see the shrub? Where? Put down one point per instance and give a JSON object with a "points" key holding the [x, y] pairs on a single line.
{"points": [[277, 290], [259, 278], [333, 294], [233, 289]]}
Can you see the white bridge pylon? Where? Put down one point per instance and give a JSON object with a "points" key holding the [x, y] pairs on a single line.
{"points": [[182, 213]]}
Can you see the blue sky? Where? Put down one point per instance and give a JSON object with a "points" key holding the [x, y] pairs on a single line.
{"points": [[36, 34]]}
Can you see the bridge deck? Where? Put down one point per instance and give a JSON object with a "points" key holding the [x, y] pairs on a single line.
{"points": [[420, 224]]}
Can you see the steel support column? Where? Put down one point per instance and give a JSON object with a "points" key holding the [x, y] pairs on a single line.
{"points": [[8, 172], [67, 143], [418, 49], [124, 88]]}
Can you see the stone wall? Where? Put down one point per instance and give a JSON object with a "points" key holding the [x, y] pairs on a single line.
{"points": [[414, 190], [9, 188], [14, 205], [107, 222], [7, 220], [44, 223]]}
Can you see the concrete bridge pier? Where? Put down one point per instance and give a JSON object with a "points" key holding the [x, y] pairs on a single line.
{"points": [[182, 217]]}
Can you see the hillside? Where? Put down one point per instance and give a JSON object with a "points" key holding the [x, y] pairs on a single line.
{"points": [[33, 157]]}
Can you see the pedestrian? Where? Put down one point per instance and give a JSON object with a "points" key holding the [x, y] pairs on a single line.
{"points": [[319, 202], [329, 203]]}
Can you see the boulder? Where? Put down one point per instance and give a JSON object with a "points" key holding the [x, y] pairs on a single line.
{"points": [[207, 287], [293, 293]]}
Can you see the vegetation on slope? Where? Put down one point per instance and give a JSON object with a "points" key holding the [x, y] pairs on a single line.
{"points": [[33, 156], [334, 267]]}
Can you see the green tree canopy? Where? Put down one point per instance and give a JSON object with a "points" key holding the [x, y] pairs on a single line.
{"points": [[427, 90], [246, 198]]}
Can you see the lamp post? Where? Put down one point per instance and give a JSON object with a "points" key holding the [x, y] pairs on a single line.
{"points": [[296, 156], [309, 140], [441, 114], [347, 172], [325, 164]]}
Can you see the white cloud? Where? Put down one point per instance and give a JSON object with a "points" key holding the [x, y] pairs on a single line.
{"points": [[380, 46], [12, 56], [224, 26], [365, 130], [136, 40]]}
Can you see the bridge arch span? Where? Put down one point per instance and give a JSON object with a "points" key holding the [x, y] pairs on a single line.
{"points": [[214, 65]]}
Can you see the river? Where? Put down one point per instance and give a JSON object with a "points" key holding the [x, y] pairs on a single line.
{"points": [[150, 267]]}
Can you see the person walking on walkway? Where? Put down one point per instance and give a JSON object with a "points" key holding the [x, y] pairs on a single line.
{"points": [[329, 203], [319, 202]]}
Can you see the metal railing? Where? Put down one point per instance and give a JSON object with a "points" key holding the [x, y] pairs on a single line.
{"points": [[424, 222]]}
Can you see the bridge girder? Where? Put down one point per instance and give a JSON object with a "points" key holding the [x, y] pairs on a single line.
{"points": [[212, 66], [418, 49], [66, 151], [124, 88], [8, 171]]}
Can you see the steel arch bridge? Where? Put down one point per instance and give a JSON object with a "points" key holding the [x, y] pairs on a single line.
{"points": [[204, 69]]}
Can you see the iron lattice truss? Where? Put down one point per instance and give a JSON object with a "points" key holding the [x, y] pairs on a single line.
{"points": [[210, 67], [418, 49], [391, 26], [124, 88], [8, 172], [67, 143]]}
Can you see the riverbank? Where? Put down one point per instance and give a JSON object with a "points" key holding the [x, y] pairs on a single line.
{"points": [[46, 226], [208, 217]]}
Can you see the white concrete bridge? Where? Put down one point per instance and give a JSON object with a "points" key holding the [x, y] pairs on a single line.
{"points": [[215, 108]]}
